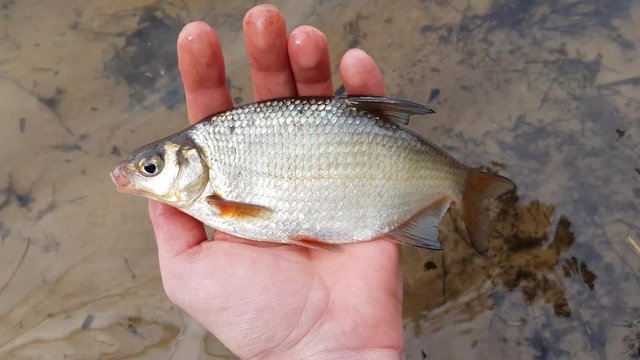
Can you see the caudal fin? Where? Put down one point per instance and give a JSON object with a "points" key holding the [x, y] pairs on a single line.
{"points": [[481, 187]]}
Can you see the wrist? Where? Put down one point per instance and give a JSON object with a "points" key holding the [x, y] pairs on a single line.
{"points": [[350, 343]]}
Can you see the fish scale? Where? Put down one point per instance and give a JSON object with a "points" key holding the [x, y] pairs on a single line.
{"points": [[332, 163], [313, 171]]}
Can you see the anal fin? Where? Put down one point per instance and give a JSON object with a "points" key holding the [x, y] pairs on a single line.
{"points": [[236, 209], [422, 230]]}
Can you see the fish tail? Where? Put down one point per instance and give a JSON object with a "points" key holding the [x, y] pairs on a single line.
{"points": [[480, 189]]}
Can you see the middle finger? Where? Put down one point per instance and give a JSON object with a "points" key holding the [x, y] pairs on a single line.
{"points": [[265, 34]]}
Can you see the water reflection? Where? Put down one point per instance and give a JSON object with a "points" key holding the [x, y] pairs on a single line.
{"points": [[522, 258]]}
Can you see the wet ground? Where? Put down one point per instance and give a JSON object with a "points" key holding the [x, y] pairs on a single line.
{"points": [[546, 92]]}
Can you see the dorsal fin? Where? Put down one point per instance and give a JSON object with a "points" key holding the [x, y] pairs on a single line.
{"points": [[395, 110]]}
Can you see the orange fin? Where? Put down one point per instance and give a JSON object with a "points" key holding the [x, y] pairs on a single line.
{"points": [[481, 188], [422, 230], [315, 244], [236, 209]]}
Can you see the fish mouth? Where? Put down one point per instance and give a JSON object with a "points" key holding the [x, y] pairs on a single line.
{"points": [[122, 179]]}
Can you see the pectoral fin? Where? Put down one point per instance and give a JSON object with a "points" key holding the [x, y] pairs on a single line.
{"points": [[422, 230], [235, 209]]}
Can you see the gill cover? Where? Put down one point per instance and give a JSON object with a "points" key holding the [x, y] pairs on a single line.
{"points": [[193, 174], [170, 170]]}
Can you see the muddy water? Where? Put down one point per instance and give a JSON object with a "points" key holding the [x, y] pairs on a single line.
{"points": [[547, 92]]}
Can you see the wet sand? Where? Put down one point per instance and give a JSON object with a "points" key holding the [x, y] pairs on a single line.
{"points": [[547, 93]]}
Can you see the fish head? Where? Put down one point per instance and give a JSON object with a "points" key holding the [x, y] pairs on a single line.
{"points": [[166, 171]]}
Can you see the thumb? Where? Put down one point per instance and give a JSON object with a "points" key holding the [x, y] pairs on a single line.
{"points": [[176, 232]]}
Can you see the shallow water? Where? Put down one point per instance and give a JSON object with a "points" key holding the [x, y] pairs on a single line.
{"points": [[546, 92]]}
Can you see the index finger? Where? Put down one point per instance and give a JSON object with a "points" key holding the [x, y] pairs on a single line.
{"points": [[202, 68], [205, 85]]}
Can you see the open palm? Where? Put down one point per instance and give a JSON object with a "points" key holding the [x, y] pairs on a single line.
{"points": [[266, 300]]}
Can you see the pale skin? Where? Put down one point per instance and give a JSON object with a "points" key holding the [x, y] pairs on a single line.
{"points": [[269, 301]]}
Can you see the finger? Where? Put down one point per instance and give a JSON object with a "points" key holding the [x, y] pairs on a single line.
{"points": [[360, 74], [202, 68], [203, 76], [309, 56], [266, 40], [176, 232]]}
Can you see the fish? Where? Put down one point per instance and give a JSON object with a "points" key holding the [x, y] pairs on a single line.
{"points": [[318, 172]]}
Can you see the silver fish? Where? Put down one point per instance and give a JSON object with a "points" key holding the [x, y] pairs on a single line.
{"points": [[314, 171]]}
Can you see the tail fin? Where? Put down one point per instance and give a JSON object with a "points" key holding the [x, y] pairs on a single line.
{"points": [[480, 189]]}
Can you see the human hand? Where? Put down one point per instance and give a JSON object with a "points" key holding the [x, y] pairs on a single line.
{"points": [[268, 301]]}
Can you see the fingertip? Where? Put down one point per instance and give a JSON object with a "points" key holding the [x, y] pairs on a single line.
{"points": [[360, 74], [202, 69], [260, 23], [194, 28], [265, 32], [309, 45], [309, 55], [198, 46], [257, 12]]}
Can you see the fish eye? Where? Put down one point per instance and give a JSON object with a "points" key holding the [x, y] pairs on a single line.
{"points": [[151, 165]]}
